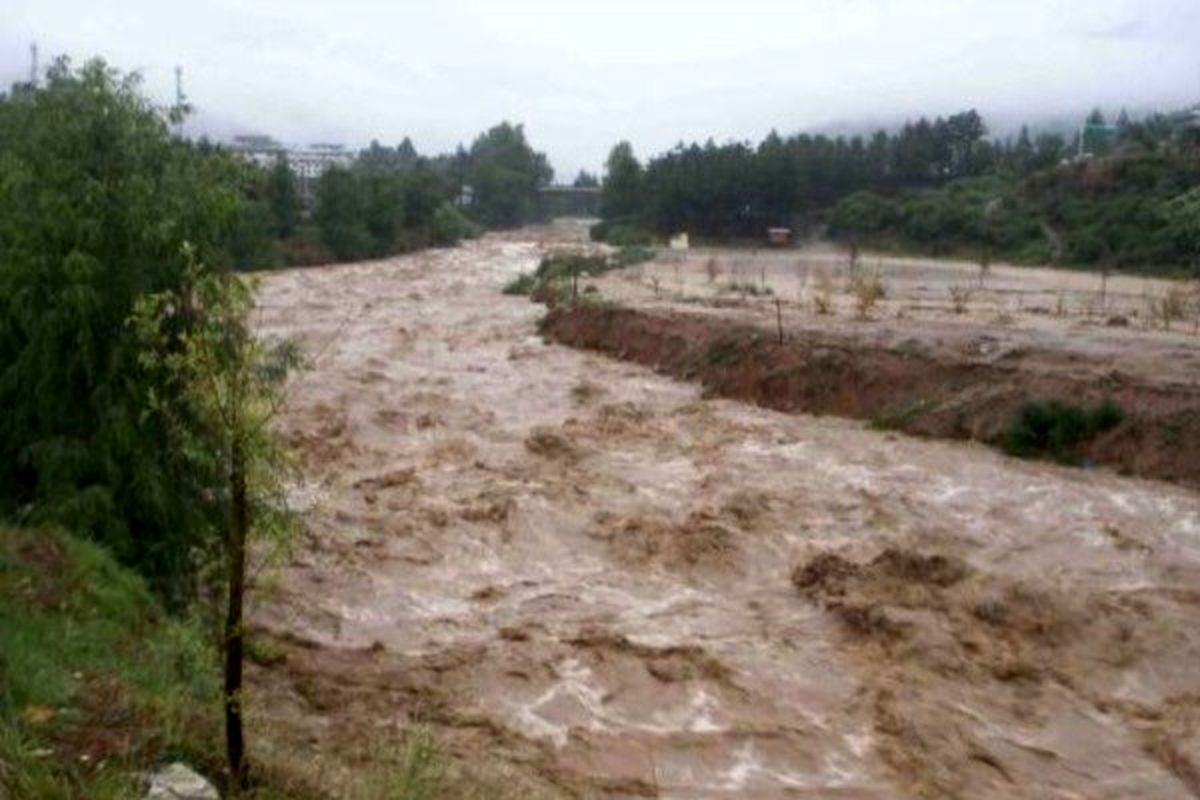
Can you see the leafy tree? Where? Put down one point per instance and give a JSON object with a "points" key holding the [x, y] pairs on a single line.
{"points": [[1182, 232], [863, 214], [423, 194], [775, 181], [449, 226], [96, 199], [963, 134], [284, 197], [253, 241], [1051, 148], [379, 158], [340, 214], [382, 209], [622, 199], [506, 174], [1023, 155]]}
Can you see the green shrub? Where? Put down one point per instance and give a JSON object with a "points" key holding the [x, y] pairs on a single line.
{"points": [[748, 287], [1055, 429], [863, 214], [522, 284], [628, 236], [900, 418], [566, 265], [631, 255], [304, 248], [449, 226], [558, 270]]}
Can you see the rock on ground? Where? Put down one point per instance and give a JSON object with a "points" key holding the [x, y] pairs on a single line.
{"points": [[180, 782]]}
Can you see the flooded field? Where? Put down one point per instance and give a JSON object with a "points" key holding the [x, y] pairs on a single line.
{"points": [[589, 581]]}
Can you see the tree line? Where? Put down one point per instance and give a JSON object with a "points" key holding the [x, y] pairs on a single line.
{"points": [[389, 200], [935, 186]]}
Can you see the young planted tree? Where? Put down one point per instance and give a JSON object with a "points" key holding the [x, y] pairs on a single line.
{"points": [[985, 265], [227, 389]]}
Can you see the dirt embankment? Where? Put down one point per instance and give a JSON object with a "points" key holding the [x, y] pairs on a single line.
{"points": [[911, 388]]}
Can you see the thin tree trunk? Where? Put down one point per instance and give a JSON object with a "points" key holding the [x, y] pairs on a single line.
{"points": [[234, 633]]}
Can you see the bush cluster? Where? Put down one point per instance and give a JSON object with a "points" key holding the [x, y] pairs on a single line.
{"points": [[1054, 429], [564, 266]]}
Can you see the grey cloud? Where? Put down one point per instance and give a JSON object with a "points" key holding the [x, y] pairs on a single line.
{"points": [[584, 74]]}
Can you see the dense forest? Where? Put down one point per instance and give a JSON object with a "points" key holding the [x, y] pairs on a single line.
{"points": [[937, 187]]}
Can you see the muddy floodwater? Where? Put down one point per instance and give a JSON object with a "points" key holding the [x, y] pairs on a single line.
{"points": [[589, 580]]}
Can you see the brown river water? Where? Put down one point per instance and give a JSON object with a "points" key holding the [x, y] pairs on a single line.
{"points": [[612, 587]]}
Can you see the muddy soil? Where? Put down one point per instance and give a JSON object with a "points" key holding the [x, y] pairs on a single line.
{"points": [[916, 385], [590, 581]]}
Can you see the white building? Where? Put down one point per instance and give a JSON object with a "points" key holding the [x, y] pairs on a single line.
{"points": [[308, 163]]}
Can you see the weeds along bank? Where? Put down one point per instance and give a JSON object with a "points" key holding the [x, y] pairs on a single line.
{"points": [[1070, 411]]}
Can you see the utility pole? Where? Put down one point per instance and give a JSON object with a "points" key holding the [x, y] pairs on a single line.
{"points": [[33, 65], [179, 101]]}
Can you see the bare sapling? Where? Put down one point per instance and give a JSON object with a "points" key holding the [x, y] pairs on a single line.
{"points": [[712, 269], [868, 290], [1172, 305], [960, 298], [823, 294], [985, 266], [1196, 306], [801, 280]]}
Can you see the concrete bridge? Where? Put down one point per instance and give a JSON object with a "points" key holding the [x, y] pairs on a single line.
{"points": [[571, 201]]}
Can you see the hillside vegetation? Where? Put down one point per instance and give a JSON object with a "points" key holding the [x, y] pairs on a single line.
{"points": [[933, 187]]}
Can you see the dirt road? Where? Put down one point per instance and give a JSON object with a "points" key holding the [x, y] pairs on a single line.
{"points": [[588, 581]]}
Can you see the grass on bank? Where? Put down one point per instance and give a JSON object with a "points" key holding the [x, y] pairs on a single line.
{"points": [[98, 685]]}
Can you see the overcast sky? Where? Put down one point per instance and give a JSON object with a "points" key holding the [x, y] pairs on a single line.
{"points": [[582, 74]]}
